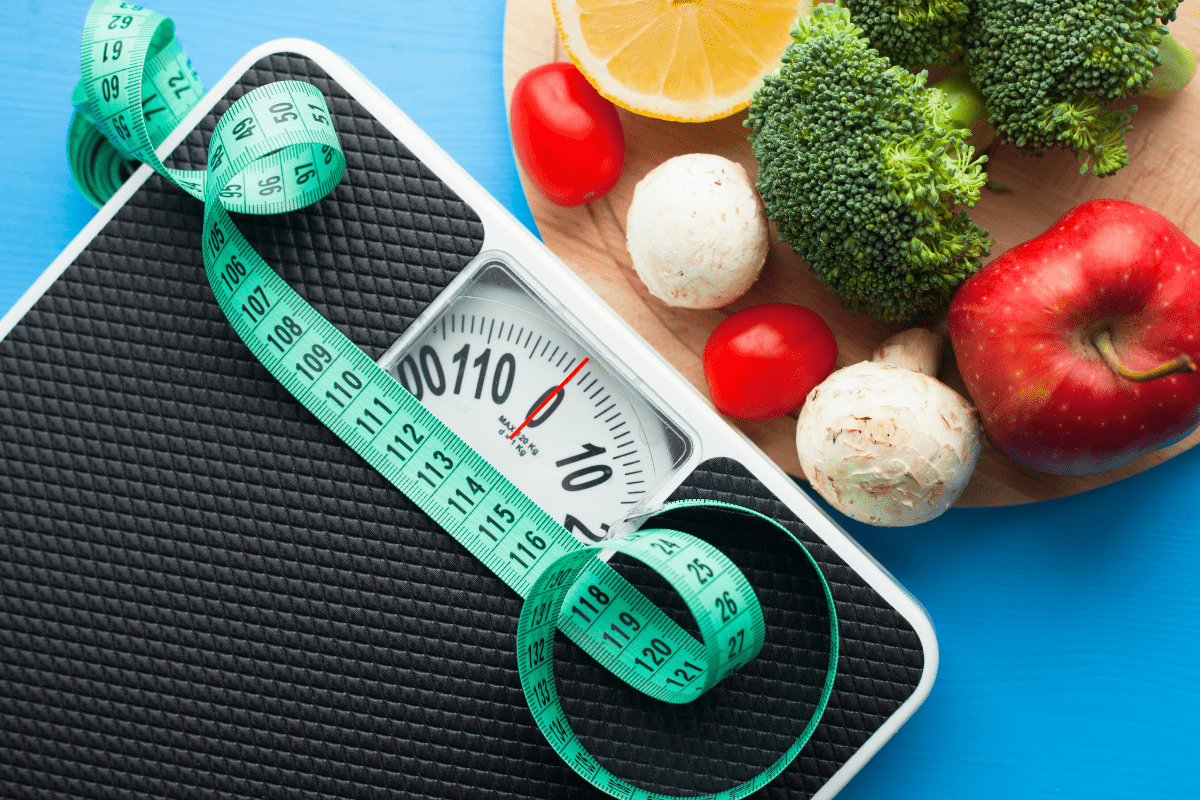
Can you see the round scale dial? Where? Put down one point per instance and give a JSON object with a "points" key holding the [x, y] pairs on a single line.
{"points": [[536, 396]]}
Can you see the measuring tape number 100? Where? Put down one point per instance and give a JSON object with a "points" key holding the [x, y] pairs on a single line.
{"points": [[276, 150]]}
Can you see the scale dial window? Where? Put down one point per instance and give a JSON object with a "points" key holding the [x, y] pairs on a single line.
{"points": [[484, 358]]}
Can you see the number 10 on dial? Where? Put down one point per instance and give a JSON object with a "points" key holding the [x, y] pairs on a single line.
{"points": [[538, 397]]}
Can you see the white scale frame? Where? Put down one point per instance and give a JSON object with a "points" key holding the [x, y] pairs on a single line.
{"points": [[711, 436]]}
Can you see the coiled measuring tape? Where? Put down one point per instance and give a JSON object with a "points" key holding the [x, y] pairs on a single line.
{"points": [[275, 150]]}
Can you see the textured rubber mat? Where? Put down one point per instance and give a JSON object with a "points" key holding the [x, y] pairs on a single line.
{"points": [[206, 595]]}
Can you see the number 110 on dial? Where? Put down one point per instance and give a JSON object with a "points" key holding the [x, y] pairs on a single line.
{"points": [[536, 397]]}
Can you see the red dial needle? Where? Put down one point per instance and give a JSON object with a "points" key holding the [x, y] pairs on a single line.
{"points": [[549, 397]]}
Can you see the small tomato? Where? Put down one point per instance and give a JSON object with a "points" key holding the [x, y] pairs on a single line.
{"points": [[763, 361], [568, 138]]}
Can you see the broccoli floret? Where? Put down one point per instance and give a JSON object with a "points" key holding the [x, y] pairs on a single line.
{"points": [[1048, 70], [861, 171], [911, 33]]}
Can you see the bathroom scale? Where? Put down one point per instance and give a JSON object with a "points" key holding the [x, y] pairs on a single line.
{"points": [[207, 594]]}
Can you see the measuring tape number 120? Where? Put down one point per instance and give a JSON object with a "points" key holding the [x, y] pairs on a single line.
{"points": [[276, 150]]}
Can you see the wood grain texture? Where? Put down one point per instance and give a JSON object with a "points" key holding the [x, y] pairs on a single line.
{"points": [[1163, 174]]}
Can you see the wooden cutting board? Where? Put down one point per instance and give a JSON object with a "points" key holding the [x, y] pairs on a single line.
{"points": [[1163, 174]]}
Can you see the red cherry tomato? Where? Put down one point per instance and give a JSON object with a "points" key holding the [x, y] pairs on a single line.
{"points": [[763, 361], [568, 138]]}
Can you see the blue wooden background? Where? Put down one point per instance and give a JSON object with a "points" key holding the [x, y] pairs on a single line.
{"points": [[1069, 630]]}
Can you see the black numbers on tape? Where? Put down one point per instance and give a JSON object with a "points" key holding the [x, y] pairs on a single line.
{"points": [[727, 606], [536, 542], [114, 53], [270, 185], [283, 112], [174, 82], [285, 333], [618, 788], [304, 172], [666, 546], [243, 129], [503, 513], [345, 389], [598, 595], [657, 653], [119, 22], [627, 621], [737, 642], [122, 127], [149, 112], [408, 442], [110, 87], [216, 240], [234, 271], [584, 764], [372, 423], [315, 361], [256, 304], [537, 652], [470, 499], [703, 572], [439, 470], [495, 529], [541, 613], [558, 578], [685, 676]]}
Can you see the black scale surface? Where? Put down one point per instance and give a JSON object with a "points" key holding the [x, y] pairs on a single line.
{"points": [[206, 595]]}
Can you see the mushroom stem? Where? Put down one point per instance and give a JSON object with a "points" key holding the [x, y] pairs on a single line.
{"points": [[1102, 339], [917, 349]]}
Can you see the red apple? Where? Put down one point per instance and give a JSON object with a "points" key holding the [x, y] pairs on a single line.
{"points": [[1079, 347]]}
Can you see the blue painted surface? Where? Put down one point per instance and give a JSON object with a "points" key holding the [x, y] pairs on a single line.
{"points": [[1069, 630]]}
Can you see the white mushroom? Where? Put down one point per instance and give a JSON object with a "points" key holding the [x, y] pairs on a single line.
{"points": [[887, 444], [696, 231]]}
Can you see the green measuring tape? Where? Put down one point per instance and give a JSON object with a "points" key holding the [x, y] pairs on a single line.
{"points": [[276, 150]]}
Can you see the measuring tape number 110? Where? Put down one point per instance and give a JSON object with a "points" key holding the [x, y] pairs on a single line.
{"points": [[276, 150]]}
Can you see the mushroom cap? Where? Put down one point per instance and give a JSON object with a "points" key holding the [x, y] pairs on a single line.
{"points": [[887, 445], [696, 231]]}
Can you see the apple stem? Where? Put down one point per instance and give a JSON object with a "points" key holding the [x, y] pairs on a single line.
{"points": [[1102, 339]]}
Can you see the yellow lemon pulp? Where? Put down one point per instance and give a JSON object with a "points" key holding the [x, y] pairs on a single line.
{"points": [[688, 60]]}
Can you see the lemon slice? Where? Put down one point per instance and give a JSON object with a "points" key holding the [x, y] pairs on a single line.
{"points": [[684, 60]]}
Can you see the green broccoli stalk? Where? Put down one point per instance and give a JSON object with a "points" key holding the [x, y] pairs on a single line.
{"points": [[1049, 69], [911, 33], [1176, 67], [861, 170]]}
